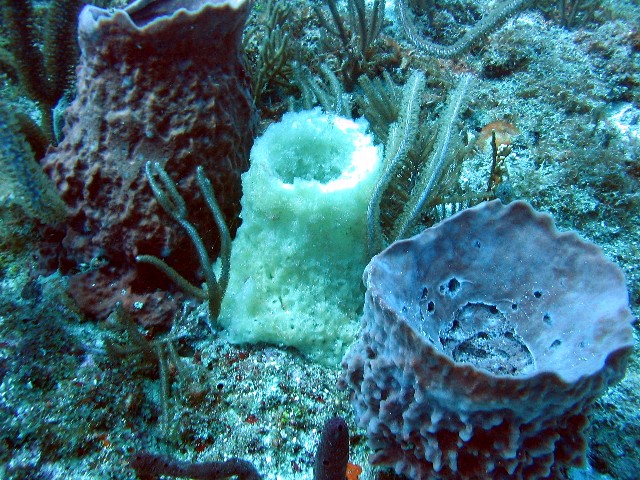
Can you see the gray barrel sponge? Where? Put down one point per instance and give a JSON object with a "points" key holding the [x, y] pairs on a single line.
{"points": [[484, 342]]}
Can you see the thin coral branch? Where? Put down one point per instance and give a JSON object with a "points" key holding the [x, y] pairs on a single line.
{"points": [[486, 25], [45, 76], [182, 283], [438, 161], [380, 103], [413, 183], [326, 91], [267, 43], [157, 354], [225, 237], [22, 177], [172, 202], [400, 139], [357, 32], [340, 29]]}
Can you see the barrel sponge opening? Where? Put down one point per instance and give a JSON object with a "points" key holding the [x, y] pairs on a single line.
{"points": [[325, 152], [484, 341]]}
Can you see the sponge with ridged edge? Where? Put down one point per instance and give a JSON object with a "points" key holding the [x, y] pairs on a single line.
{"points": [[484, 341]]}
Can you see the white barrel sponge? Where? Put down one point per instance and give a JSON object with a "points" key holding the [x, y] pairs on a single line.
{"points": [[485, 340], [298, 256]]}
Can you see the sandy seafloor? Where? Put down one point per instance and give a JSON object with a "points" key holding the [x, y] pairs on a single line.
{"points": [[67, 411]]}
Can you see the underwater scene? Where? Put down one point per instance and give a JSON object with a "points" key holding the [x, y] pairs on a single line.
{"points": [[319, 239]]}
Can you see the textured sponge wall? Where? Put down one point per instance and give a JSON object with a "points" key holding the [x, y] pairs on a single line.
{"points": [[159, 81], [298, 256], [484, 341]]}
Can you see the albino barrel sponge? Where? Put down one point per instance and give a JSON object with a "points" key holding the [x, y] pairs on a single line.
{"points": [[484, 342], [298, 256]]}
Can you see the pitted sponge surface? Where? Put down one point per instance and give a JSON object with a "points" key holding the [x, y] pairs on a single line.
{"points": [[484, 341]]}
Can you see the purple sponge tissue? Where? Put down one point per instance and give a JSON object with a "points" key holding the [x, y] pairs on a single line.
{"points": [[484, 342]]}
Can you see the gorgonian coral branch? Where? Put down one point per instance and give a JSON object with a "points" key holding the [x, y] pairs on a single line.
{"points": [[486, 25]]}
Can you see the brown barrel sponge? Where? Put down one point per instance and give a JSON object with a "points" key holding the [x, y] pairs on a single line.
{"points": [[160, 81]]}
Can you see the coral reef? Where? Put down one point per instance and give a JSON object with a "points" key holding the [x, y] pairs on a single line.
{"points": [[157, 83], [69, 411], [481, 352], [78, 398]]}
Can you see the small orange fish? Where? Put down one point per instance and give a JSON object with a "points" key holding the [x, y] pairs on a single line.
{"points": [[505, 132]]}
